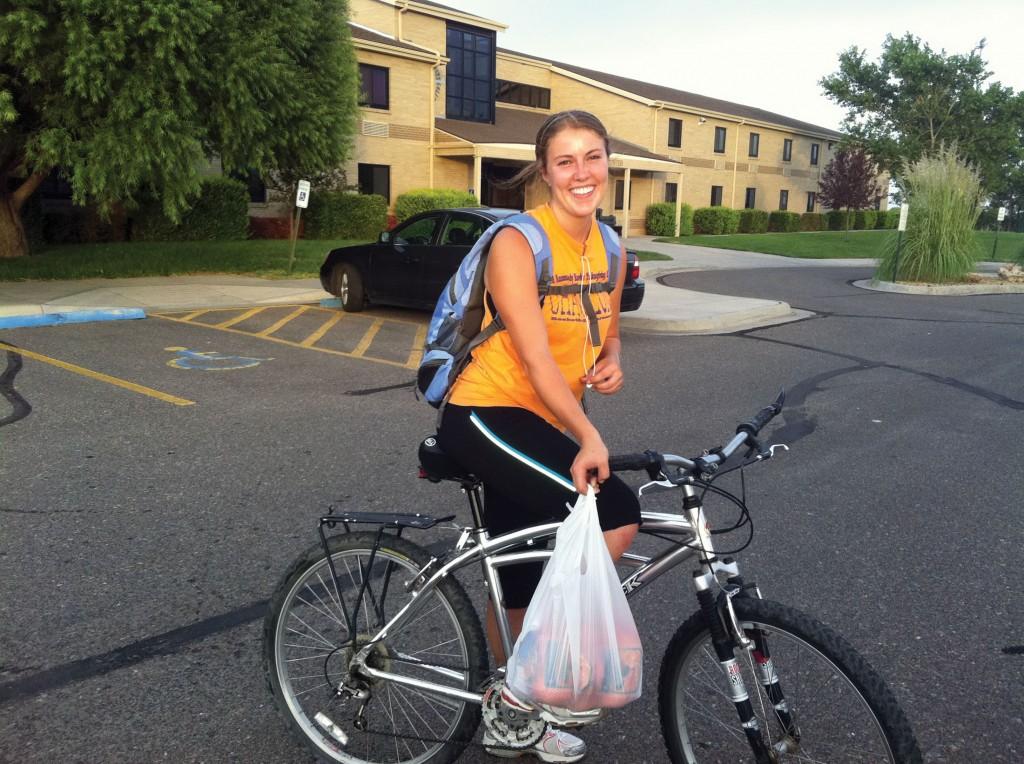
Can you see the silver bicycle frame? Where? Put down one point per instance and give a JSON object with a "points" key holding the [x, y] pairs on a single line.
{"points": [[491, 554]]}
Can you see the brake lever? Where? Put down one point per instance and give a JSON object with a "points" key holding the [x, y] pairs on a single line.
{"points": [[771, 448], [655, 486]]}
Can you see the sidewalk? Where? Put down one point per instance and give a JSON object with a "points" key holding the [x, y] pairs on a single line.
{"points": [[664, 309]]}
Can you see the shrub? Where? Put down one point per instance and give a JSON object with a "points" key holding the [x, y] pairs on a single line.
{"points": [[716, 220], [939, 246], [864, 220], [812, 221], [220, 212], [423, 199], [344, 215], [661, 219], [753, 221], [839, 220], [781, 221], [892, 218], [880, 218]]}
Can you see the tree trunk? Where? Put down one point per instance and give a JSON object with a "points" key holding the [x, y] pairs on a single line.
{"points": [[13, 242]]}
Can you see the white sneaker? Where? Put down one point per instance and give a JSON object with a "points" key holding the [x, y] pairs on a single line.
{"points": [[555, 746]]}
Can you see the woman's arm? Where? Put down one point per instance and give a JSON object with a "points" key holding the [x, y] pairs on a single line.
{"points": [[511, 279], [607, 375]]}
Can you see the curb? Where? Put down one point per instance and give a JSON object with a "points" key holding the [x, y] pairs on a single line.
{"points": [[721, 323], [70, 317], [940, 290]]}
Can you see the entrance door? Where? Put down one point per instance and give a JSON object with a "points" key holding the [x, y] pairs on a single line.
{"points": [[493, 196]]}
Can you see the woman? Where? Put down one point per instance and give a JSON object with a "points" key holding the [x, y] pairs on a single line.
{"points": [[510, 408]]}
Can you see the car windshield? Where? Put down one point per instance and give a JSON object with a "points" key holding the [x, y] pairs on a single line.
{"points": [[416, 232], [463, 230]]}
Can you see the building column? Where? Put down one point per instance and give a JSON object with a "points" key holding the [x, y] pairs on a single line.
{"points": [[625, 205], [477, 175], [679, 201]]}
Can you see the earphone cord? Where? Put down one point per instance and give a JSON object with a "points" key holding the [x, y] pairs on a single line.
{"points": [[586, 274]]}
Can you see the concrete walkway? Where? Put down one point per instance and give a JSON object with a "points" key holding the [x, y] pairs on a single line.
{"points": [[665, 309]]}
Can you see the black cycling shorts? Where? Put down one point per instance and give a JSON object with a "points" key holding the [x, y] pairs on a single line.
{"points": [[524, 465]]}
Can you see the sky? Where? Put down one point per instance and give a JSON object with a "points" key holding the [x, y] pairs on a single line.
{"points": [[769, 55]]}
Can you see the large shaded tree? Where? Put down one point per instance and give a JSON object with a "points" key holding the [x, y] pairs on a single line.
{"points": [[849, 181], [133, 96], [914, 99]]}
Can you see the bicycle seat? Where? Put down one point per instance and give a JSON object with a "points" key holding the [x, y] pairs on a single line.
{"points": [[436, 465]]}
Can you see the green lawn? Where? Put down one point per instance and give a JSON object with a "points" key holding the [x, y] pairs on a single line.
{"points": [[836, 244], [255, 257], [643, 256]]}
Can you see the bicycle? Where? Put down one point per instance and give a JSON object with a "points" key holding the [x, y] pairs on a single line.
{"points": [[374, 652]]}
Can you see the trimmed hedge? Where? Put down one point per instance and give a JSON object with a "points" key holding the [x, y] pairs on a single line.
{"points": [[753, 221], [839, 220], [424, 199], [781, 221], [880, 218], [661, 219], [344, 215], [220, 212], [892, 218], [812, 221], [864, 220], [716, 220]]}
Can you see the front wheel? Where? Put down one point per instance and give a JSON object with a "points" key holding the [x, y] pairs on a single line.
{"points": [[840, 709], [347, 283], [308, 644]]}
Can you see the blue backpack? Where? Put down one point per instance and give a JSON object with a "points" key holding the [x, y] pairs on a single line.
{"points": [[455, 327]]}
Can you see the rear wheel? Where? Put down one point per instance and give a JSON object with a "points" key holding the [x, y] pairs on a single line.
{"points": [[347, 284], [843, 711], [308, 645]]}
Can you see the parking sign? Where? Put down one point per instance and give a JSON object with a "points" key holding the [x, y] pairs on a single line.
{"points": [[302, 198], [1001, 215]]}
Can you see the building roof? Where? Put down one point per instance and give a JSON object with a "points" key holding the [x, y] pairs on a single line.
{"points": [[517, 126], [359, 32], [693, 100]]}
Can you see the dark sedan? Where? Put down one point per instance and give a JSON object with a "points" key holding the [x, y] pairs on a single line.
{"points": [[410, 264]]}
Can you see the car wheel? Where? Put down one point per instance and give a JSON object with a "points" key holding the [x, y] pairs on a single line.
{"points": [[347, 284]]}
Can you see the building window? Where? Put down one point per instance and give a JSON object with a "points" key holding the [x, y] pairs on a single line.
{"points": [[470, 83], [521, 94], [783, 199], [620, 193], [675, 133], [787, 150], [719, 140], [750, 200], [878, 202], [810, 201], [671, 192], [716, 196], [375, 179], [755, 144], [374, 91], [814, 153], [257, 188]]}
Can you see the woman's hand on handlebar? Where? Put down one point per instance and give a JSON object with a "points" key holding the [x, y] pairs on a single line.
{"points": [[592, 458]]}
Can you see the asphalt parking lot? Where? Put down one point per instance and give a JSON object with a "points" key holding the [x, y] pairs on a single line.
{"points": [[149, 505]]}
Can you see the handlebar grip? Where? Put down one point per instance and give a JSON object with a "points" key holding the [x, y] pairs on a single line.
{"points": [[633, 462], [761, 418]]}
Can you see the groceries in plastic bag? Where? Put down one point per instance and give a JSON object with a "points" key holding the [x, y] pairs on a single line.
{"points": [[579, 647]]}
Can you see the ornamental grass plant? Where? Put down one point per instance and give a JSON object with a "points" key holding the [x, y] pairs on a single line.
{"points": [[939, 245]]}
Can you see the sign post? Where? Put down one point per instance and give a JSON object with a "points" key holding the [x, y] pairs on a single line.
{"points": [[301, 202], [1000, 217], [904, 211]]}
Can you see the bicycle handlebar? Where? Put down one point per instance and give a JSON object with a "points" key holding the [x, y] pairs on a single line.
{"points": [[746, 432]]}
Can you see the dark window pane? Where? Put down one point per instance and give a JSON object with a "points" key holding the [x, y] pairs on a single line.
{"points": [[814, 153], [455, 87], [375, 179], [787, 150], [467, 108], [453, 107], [620, 193], [468, 40], [483, 91], [483, 66], [675, 133], [783, 200], [454, 40], [719, 140], [716, 196], [483, 110], [751, 198], [810, 201], [455, 65], [755, 143], [483, 44], [671, 191]]}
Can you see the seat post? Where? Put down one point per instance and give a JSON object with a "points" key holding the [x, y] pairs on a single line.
{"points": [[476, 502]]}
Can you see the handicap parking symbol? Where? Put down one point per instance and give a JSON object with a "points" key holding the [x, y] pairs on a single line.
{"points": [[210, 360]]}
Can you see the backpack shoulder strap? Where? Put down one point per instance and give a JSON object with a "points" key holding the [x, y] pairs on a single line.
{"points": [[613, 249]]}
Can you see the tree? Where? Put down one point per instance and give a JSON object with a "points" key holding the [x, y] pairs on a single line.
{"points": [[914, 99], [848, 181], [131, 98]]}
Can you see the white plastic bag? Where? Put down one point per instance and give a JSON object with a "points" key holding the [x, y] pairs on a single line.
{"points": [[579, 648]]}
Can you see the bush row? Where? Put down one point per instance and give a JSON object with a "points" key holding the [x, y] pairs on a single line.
{"points": [[423, 199], [716, 220], [661, 219], [220, 212], [344, 215]]}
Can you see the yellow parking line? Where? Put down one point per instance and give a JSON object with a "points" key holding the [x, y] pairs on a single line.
{"points": [[312, 339], [417, 348], [364, 343], [195, 314], [283, 342], [237, 319], [274, 327], [100, 376]]}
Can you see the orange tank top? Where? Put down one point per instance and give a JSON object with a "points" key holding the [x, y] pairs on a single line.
{"points": [[577, 324]]}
